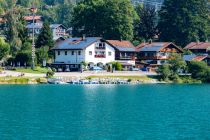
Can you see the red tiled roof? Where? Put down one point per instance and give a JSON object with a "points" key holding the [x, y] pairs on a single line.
{"points": [[121, 43], [31, 17], [164, 44], [198, 45], [199, 57], [2, 20], [156, 46]]}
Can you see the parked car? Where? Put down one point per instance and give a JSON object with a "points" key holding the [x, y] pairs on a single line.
{"points": [[134, 69], [96, 68], [60, 70], [144, 69], [67, 70]]}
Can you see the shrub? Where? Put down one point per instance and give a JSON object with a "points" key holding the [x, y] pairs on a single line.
{"points": [[199, 70], [164, 72], [50, 74], [116, 66]]}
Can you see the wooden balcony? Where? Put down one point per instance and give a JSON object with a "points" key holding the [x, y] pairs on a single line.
{"points": [[100, 56], [154, 57]]}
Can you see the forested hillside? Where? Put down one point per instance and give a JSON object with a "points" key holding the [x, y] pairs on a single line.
{"points": [[53, 11]]}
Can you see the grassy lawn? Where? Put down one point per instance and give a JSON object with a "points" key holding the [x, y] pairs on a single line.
{"points": [[37, 70], [14, 80], [142, 78], [21, 80]]}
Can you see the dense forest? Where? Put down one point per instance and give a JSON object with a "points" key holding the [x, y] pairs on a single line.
{"points": [[178, 21]]}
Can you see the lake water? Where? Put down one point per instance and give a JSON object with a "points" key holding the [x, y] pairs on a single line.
{"points": [[109, 112]]}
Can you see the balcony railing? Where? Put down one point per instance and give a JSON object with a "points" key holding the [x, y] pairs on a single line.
{"points": [[100, 56], [125, 57], [100, 48], [154, 57]]}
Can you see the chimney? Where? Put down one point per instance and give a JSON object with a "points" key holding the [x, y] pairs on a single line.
{"points": [[121, 39], [83, 37], [150, 41], [144, 42]]}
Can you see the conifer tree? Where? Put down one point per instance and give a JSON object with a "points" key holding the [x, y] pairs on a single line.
{"points": [[45, 38]]}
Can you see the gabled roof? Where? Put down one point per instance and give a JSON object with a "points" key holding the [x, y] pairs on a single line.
{"points": [[40, 25], [198, 45], [54, 26], [155, 46], [122, 45], [35, 25], [194, 57], [31, 17], [76, 43]]}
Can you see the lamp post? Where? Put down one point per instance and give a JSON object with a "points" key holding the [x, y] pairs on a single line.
{"points": [[33, 51]]}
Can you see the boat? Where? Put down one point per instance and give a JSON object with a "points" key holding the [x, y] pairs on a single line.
{"points": [[84, 82], [55, 81]]}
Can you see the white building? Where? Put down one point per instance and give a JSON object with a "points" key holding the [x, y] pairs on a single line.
{"points": [[58, 30], [157, 3], [70, 53]]}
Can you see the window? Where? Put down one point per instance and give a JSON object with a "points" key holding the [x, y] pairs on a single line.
{"points": [[59, 52], [90, 53], [79, 52], [72, 53], [110, 53], [66, 52]]}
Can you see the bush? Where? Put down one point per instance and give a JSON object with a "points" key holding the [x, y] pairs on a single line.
{"points": [[164, 72], [199, 71], [23, 58], [50, 74], [116, 65]]}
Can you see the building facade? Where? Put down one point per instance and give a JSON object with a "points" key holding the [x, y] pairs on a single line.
{"points": [[125, 53], [157, 3], [70, 53], [199, 47], [58, 30], [157, 53]]}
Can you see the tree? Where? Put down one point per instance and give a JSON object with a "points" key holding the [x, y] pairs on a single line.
{"points": [[45, 38], [64, 14], [22, 30], [183, 21], [164, 72], [24, 58], [12, 33], [4, 48], [111, 19], [42, 54], [199, 70], [177, 64], [146, 26], [116, 66]]}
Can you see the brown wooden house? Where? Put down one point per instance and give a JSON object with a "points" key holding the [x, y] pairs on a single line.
{"points": [[199, 47], [157, 53], [125, 52]]}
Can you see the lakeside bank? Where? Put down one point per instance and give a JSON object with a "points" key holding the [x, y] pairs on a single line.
{"points": [[11, 77]]}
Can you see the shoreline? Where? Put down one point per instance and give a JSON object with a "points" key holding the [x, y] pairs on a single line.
{"points": [[87, 77], [120, 77]]}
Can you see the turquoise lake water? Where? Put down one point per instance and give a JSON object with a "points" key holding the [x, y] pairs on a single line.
{"points": [[110, 112]]}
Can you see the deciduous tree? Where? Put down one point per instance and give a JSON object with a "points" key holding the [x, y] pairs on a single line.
{"points": [[183, 21]]}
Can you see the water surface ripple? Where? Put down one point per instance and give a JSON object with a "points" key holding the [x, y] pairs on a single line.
{"points": [[110, 112]]}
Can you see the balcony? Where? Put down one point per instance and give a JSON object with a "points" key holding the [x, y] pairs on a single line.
{"points": [[100, 56], [154, 57], [100, 48]]}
